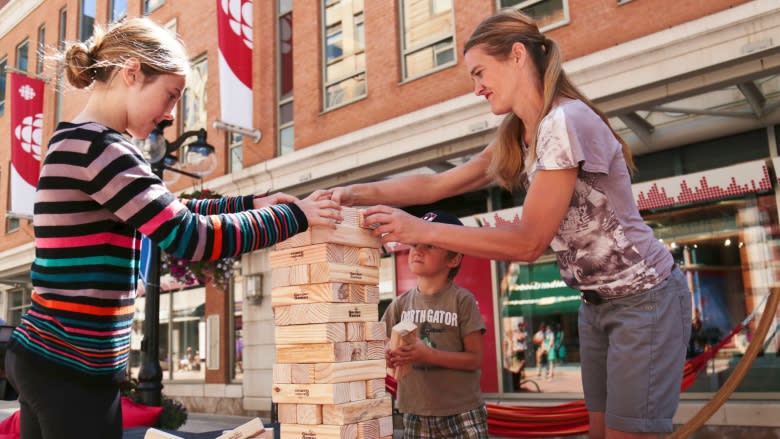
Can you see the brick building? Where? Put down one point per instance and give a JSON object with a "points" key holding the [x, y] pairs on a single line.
{"points": [[353, 90]]}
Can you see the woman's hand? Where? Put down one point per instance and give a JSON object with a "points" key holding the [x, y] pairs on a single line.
{"points": [[395, 225], [320, 209], [277, 198], [342, 195]]}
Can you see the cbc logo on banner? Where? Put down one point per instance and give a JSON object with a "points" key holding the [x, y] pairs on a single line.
{"points": [[240, 14], [29, 134]]}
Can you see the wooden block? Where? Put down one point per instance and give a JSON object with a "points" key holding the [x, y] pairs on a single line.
{"points": [[335, 272], [153, 433], [357, 390], [316, 352], [370, 294], [309, 414], [297, 431], [314, 333], [369, 257], [368, 429], [248, 430], [294, 275], [375, 350], [349, 371], [375, 388], [287, 413], [358, 411], [326, 252], [337, 393], [375, 331], [325, 292], [356, 331], [386, 426], [343, 234], [302, 373], [282, 373], [352, 217], [404, 332], [307, 313]]}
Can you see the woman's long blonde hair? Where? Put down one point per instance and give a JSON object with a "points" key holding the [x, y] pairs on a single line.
{"points": [[496, 35], [157, 50]]}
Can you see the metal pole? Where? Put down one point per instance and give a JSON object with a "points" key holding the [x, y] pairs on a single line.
{"points": [[150, 374]]}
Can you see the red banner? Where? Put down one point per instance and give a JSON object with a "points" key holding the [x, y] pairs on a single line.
{"points": [[26, 96], [234, 26]]}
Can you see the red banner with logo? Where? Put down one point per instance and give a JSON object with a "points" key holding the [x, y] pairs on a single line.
{"points": [[26, 98], [234, 26]]}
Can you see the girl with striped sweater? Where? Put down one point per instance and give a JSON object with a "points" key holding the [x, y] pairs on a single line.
{"points": [[96, 196]]}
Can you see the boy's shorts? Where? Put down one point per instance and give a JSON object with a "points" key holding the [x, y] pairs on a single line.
{"points": [[469, 425], [632, 352]]}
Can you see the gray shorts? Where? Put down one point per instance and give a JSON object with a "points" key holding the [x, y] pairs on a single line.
{"points": [[632, 351]]}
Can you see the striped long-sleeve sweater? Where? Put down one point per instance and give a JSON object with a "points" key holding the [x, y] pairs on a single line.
{"points": [[96, 196]]}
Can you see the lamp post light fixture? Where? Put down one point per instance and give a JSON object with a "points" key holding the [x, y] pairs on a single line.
{"points": [[200, 160]]}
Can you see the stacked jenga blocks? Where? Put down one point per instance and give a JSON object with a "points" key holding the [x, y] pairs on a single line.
{"points": [[329, 375]]}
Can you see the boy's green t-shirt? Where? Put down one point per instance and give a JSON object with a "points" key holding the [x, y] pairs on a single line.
{"points": [[442, 320]]}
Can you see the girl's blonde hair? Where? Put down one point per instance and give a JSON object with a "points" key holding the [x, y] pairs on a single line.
{"points": [[496, 35], [157, 50]]}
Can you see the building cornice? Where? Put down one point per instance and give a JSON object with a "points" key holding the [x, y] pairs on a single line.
{"points": [[14, 12]]}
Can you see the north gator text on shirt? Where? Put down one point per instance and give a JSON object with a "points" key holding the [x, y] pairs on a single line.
{"points": [[431, 316]]}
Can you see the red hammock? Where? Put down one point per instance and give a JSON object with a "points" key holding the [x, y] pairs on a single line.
{"points": [[570, 418]]}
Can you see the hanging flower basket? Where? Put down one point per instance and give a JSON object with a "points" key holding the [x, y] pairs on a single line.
{"points": [[188, 272]]}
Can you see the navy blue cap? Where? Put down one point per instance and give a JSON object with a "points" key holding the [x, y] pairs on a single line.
{"points": [[441, 216]]}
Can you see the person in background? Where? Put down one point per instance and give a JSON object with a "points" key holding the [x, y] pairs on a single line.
{"points": [[577, 174], [440, 397], [95, 198]]}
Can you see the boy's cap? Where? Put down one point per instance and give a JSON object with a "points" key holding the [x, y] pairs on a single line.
{"points": [[440, 216]]}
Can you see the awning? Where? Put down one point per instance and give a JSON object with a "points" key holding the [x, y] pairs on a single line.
{"points": [[539, 290]]}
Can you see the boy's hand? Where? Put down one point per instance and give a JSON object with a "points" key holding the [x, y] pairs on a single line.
{"points": [[417, 352]]}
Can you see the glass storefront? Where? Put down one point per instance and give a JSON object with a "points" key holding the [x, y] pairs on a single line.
{"points": [[725, 248]]}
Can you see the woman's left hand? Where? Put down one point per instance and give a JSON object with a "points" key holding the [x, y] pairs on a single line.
{"points": [[395, 225], [277, 198]]}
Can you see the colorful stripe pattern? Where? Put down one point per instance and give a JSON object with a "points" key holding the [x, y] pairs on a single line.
{"points": [[96, 196]]}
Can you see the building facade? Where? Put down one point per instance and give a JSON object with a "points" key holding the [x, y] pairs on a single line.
{"points": [[349, 90]]}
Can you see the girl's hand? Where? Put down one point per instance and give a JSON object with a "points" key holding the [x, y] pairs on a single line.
{"points": [[277, 198], [320, 210]]}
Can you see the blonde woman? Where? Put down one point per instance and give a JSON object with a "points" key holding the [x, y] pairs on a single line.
{"points": [[577, 173]]}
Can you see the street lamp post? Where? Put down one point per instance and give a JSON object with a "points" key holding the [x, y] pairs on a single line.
{"points": [[159, 151]]}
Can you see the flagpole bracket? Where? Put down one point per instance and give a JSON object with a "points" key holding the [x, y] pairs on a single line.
{"points": [[254, 133]]}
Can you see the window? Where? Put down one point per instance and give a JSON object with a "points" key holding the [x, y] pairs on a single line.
{"points": [[344, 52], [117, 10], [11, 224], [151, 5], [61, 35], [428, 42], [285, 81], [19, 300], [236, 147], [23, 55], [548, 14], [193, 101], [87, 19], [41, 52], [3, 68]]}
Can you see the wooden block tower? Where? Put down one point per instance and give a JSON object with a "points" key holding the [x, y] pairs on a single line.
{"points": [[329, 375]]}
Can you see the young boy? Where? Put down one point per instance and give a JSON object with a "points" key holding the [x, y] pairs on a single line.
{"points": [[440, 397]]}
